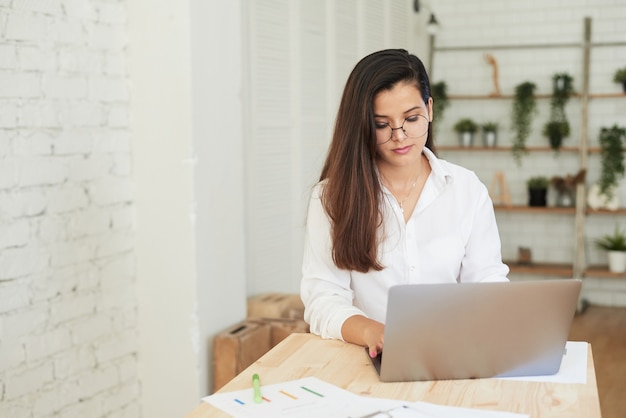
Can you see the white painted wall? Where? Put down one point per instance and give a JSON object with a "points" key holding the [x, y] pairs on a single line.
{"points": [[162, 132], [217, 90], [187, 131]]}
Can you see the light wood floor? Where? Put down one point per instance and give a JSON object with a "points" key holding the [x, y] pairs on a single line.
{"points": [[605, 329]]}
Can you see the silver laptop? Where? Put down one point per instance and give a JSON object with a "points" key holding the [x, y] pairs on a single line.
{"points": [[476, 330]]}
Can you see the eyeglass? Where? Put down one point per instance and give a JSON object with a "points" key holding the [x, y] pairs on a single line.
{"points": [[414, 126]]}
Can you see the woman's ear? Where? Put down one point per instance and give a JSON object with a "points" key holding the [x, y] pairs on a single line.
{"points": [[429, 107]]}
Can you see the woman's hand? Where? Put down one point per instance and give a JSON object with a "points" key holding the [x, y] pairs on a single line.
{"points": [[365, 332]]}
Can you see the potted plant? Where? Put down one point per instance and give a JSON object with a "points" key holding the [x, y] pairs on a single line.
{"points": [[555, 131], [490, 134], [620, 77], [537, 190], [611, 159], [466, 128], [439, 92], [562, 86], [615, 245], [557, 128], [524, 109]]}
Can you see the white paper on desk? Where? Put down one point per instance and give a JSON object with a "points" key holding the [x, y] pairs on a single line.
{"points": [[440, 411], [573, 366], [314, 398], [302, 398], [405, 409]]}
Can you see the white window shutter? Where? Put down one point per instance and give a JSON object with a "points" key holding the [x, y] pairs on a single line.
{"points": [[299, 54]]}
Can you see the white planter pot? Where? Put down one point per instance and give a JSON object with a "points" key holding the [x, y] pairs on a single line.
{"points": [[466, 139], [489, 139], [617, 261], [595, 200]]}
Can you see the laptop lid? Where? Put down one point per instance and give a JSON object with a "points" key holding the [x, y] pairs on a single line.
{"points": [[476, 330]]}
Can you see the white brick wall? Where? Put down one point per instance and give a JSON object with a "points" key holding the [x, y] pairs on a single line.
{"points": [[68, 320], [493, 22]]}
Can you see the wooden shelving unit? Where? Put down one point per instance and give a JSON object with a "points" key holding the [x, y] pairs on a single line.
{"points": [[557, 210], [560, 270], [542, 269], [620, 211], [603, 272], [535, 209], [538, 96], [479, 148], [578, 267], [503, 149]]}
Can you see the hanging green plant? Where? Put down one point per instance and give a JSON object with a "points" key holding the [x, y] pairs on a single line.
{"points": [[524, 109], [562, 90], [620, 77], [439, 92], [557, 128], [611, 159]]}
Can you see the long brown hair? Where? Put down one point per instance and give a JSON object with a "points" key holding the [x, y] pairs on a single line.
{"points": [[352, 194]]}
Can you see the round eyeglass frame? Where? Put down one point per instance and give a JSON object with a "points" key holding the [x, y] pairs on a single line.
{"points": [[403, 131]]}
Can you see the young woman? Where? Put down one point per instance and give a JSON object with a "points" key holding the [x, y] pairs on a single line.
{"points": [[386, 210]]}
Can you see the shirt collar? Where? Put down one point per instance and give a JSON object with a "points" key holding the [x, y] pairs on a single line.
{"points": [[441, 174]]}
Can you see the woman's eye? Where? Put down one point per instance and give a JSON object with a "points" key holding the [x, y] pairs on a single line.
{"points": [[381, 125], [412, 118]]}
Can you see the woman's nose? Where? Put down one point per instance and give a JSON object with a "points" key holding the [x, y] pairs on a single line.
{"points": [[399, 136]]}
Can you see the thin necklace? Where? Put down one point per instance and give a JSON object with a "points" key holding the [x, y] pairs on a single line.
{"points": [[401, 202]]}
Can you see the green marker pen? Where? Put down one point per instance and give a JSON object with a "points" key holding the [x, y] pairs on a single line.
{"points": [[256, 386]]}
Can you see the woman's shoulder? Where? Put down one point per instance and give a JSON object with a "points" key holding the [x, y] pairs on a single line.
{"points": [[454, 172], [457, 170], [317, 189]]}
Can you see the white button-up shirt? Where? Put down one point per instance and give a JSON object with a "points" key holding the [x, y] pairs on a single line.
{"points": [[451, 236]]}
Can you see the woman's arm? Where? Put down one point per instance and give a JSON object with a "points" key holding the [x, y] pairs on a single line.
{"points": [[483, 259], [365, 332], [324, 289]]}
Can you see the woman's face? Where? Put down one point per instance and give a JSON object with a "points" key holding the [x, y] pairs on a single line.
{"points": [[401, 107]]}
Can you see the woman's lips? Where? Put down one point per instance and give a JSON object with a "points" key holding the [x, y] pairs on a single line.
{"points": [[402, 150]]}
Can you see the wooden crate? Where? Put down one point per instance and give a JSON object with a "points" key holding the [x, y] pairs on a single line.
{"points": [[236, 348], [280, 328], [276, 305]]}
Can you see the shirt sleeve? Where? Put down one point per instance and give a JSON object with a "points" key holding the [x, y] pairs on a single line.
{"points": [[483, 257], [325, 290]]}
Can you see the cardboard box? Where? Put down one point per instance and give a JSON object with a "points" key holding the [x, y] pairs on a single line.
{"points": [[276, 305], [280, 328], [236, 348]]}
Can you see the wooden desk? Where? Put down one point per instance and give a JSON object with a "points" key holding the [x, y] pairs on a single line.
{"points": [[347, 366]]}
